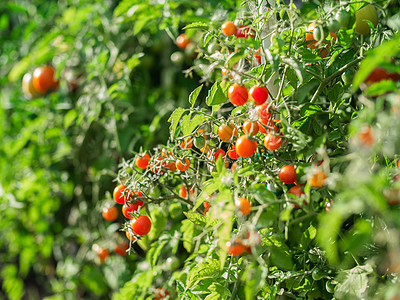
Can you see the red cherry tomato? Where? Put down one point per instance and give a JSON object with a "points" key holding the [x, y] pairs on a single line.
{"points": [[118, 194], [232, 153], [225, 132], [244, 32], [238, 94], [110, 213], [272, 142], [245, 147], [130, 208], [141, 225], [264, 113], [183, 166], [258, 94], [121, 249], [296, 191], [287, 174], [236, 248], [103, 254], [44, 79], [379, 74], [142, 161], [187, 143], [250, 127]]}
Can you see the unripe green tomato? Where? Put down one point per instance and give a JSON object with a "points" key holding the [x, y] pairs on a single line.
{"points": [[346, 19], [177, 57], [175, 210], [330, 287], [199, 142], [367, 13], [348, 76], [333, 25], [129, 170], [317, 274], [172, 263], [318, 33]]}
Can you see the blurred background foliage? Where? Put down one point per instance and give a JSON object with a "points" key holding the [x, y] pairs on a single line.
{"points": [[59, 153]]}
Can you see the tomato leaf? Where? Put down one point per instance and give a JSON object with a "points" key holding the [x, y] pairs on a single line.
{"points": [[174, 120], [215, 95], [193, 95], [197, 25], [218, 291], [189, 231], [196, 218], [206, 269], [190, 124]]}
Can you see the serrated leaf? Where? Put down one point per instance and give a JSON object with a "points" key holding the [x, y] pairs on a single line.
{"points": [[174, 120], [197, 25], [218, 291], [203, 270], [215, 95], [154, 252], [193, 95], [190, 124], [353, 282], [196, 218]]}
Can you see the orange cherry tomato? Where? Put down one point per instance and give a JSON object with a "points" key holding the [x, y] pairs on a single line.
{"points": [[236, 248], [261, 128], [187, 143], [250, 127], [244, 205], [228, 28], [183, 166], [226, 132], [317, 179], [171, 165], [258, 94], [182, 41], [103, 254], [296, 191], [183, 192], [44, 79], [272, 142], [142, 161], [238, 94], [257, 55], [206, 207], [28, 88], [130, 235], [366, 136], [245, 147], [110, 213], [287, 174], [232, 152], [121, 249]]}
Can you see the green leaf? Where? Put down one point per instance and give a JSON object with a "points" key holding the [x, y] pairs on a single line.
{"points": [[353, 282], [196, 218], [155, 251], [174, 120], [206, 269], [281, 257], [254, 279], [218, 291], [215, 95], [69, 117], [190, 124], [381, 87], [193, 95], [197, 25], [334, 135], [188, 229], [134, 61]]}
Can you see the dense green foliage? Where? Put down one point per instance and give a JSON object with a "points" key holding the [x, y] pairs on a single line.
{"points": [[124, 90]]}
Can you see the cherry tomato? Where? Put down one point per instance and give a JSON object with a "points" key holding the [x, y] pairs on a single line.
{"points": [[257, 55], [142, 162], [234, 166], [261, 128], [183, 166], [228, 28], [171, 165], [130, 208], [264, 114], [28, 88], [313, 43], [250, 128], [118, 194], [367, 13], [258, 94], [296, 191], [318, 179], [333, 25], [141, 225], [44, 79], [378, 74], [398, 163], [348, 76], [103, 253], [110, 213], [187, 143], [287, 174], [225, 132], [245, 147], [182, 41], [183, 192], [121, 249], [244, 32], [160, 293], [206, 207], [244, 205], [232, 153], [345, 19], [236, 248], [205, 149], [157, 167], [272, 142], [366, 136], [238, 94], [217, 154]]}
